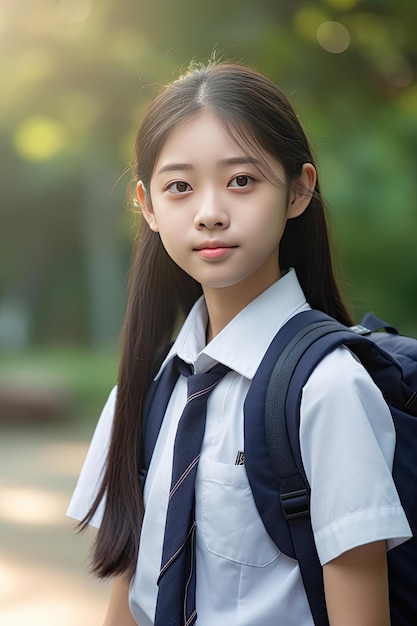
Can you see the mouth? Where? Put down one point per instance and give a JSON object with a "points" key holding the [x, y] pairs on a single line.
{"points": [[213, 245], [214, 249]]}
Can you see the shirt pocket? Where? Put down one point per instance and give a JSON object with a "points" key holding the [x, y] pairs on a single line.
{"points": [[230, 524]]}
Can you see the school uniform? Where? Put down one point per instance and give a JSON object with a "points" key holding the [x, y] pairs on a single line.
{"points": [[347, 439]]}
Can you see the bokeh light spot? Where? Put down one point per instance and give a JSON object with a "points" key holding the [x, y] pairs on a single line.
{"points": [[333, 37], [398, 71], [40, 138]]}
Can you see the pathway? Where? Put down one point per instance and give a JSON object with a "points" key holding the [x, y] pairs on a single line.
{"points": [[43, 562]]}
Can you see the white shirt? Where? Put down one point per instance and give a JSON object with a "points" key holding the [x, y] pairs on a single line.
{"points": [[242, 578]]}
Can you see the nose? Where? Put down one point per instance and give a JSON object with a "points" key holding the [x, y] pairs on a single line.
{"points": [[210, 213]]}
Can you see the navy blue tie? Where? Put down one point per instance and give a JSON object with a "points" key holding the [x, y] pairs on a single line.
{"points": [[176, 596]]}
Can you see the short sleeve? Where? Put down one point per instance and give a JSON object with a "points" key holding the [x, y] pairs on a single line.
{"points": [[94, 464], [347, 445]]}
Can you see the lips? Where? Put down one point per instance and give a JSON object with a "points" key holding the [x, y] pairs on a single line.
{"points": [[211, 245], [214, 250]]}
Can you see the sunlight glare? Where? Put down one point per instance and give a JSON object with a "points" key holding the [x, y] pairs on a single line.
{"points": [[33, 507]]}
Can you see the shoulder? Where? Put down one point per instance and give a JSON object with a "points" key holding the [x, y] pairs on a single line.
{"points": [[343, 414], [341, 375], [341, 404]]}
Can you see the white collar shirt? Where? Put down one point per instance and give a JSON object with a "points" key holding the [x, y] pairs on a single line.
{"points": [[233, 548]]}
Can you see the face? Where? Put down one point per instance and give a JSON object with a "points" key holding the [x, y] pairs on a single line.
{"points": [[219, 218]]}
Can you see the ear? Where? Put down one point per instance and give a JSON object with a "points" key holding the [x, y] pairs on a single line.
{"points": [[146, 206], [302, 191]]}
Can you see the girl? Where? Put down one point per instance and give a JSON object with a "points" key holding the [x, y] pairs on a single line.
{"points": [[233, 237]]}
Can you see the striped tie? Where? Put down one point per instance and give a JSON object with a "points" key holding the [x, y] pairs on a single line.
{"points": [[176, 596]]}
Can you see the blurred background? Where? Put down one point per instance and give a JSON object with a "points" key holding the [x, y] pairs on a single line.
{"points": [[76, 76]]}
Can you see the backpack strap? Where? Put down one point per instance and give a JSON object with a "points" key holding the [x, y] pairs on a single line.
{"points": [[156, 402], [374, 323], [314, 335]]}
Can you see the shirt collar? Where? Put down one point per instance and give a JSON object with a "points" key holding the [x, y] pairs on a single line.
{"points": [[256, 325]]}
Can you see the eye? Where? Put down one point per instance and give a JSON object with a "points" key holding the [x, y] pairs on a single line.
{"points": [[241, 181], [179, 187]]}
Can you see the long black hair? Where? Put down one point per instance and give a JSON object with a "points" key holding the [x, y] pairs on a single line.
{"points": [[259, 117]]}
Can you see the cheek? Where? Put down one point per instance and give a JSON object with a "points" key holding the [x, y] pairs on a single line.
{"points": [[271, 221], [174, 225], [171, 241]]}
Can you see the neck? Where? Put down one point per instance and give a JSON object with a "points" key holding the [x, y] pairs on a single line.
{"points": [[223, 304], [221, 311]]}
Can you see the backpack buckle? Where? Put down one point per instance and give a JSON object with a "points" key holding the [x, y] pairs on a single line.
{"points": [[360, 330], [295, 504]]}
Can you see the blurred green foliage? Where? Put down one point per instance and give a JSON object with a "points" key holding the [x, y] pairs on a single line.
{"points": [[76, 76], [68, 385]]}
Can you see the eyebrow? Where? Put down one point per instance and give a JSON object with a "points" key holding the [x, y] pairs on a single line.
{"points": [[173, 167], [240, 160]]}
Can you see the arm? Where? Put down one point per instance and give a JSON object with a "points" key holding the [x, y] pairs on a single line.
{"points": [[118, 612], [356, 587]]}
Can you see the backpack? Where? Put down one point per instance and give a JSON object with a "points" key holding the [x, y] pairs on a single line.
{"points": [[273, 461], [391, 360]]}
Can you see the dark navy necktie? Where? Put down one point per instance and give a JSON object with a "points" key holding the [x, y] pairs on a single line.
{"points": [[176, 595]]}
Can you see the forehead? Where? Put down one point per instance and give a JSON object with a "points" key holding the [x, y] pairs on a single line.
{"points": [[198, 131], [205, 137]]}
